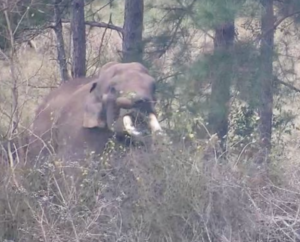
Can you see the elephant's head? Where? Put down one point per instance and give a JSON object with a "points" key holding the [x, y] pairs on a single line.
{"points": [[119, 100]]}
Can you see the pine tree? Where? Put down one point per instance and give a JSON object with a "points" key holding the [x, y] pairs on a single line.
{"points": [[78, 39], [133, 30]]}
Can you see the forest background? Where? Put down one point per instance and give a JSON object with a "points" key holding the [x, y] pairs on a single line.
{"points": [[228, 77]]}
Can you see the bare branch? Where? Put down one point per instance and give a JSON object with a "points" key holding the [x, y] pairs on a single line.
{"points": [[3, 9], [286, 84], [89, 23], [276, 24], [97, 24], [104, 25]]}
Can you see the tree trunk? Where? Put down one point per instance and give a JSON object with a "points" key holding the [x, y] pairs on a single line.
{"points": [[221, 81], [266, 94], [133, 30], [78, 39], [61, 54]]}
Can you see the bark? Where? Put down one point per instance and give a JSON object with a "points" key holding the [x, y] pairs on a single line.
{"points": [[61, 54], [78, 39], [266, 80], [220, 91], [133, 31]]}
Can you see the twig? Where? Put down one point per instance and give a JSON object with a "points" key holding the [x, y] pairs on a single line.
{"points": [[287, 85], [278, 23]]}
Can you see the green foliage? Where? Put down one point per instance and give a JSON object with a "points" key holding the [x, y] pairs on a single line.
{"points": [[209, 14], [113, 9], [251, 9], [245, 121], [239, 67], [189, 88], [246, 73]]}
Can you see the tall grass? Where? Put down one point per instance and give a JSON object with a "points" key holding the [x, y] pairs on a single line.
{"points": [[166, 194]]}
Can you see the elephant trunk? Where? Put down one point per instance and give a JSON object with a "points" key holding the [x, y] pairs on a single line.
{"points": [[113, 111], [123, 102], [112, 114]]}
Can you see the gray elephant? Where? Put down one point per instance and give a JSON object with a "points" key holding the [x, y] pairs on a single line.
{"points": [[83, 114]]}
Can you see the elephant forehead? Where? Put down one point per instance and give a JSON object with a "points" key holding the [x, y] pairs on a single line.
{"points": [[133, 79], [133, 87], [128, 94]]}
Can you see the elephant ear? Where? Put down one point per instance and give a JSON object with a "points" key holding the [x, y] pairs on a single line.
{"points": [[92, 111]]}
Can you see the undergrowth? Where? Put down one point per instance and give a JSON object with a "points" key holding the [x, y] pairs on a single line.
{"points": [[170, 193]]}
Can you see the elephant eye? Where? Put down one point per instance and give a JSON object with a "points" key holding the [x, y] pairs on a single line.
{"points": [[112, 89], [93, 86]]}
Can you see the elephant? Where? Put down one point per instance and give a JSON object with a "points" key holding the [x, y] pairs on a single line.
{"points": [[83, 114]]}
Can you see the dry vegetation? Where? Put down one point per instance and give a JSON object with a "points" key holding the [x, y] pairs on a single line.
{"points": [[165, 196], [177, 193]]}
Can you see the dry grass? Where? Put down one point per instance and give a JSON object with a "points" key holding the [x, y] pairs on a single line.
{"points": [[170, 195]]}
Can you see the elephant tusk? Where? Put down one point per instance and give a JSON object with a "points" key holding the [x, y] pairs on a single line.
{"points": [[154, 124], [128, 124]]}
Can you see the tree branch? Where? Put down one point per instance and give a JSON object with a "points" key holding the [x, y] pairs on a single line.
{"points": [[100, 25], [287, 85], [276, 24], [38, 30]]}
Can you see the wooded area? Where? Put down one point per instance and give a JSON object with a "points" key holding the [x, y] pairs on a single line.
{"points": [[227, 97]]}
